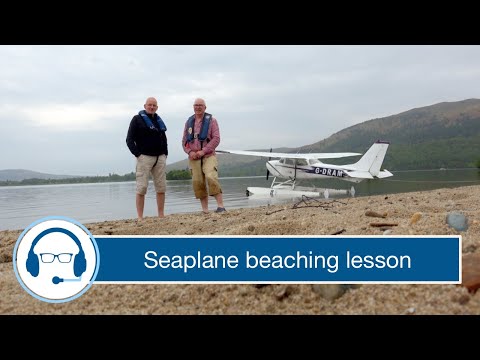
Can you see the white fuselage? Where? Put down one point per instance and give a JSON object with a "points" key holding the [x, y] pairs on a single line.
{"points": [[307, 169]]}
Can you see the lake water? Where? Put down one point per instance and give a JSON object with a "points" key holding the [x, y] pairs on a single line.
{"points": [[22, 205]]}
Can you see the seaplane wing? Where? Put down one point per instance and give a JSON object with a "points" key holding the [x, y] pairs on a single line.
{"points": [[289, 155]]}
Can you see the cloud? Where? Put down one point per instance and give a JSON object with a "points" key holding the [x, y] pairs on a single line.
{"points": [[66, 109], [59, 118]]}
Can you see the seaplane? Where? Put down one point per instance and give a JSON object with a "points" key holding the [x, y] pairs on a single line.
{"points": [[291, 168]]}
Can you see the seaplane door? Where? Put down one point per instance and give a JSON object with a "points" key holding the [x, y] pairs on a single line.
{"points": [[289, 169]]}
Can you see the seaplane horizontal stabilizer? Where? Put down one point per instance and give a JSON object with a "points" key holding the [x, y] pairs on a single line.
{"points": [[360, 174], [383, 174]]}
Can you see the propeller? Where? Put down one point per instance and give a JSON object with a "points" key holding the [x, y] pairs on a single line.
{"points": [[268, 172]]}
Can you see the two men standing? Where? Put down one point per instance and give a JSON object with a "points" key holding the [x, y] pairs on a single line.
{"points": [[147, 141]]}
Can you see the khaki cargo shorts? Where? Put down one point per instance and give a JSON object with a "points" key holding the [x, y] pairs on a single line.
{"points": [[155, 165]]}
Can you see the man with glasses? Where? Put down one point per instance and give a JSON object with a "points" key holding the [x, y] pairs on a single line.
{"points": [[201, 136]]}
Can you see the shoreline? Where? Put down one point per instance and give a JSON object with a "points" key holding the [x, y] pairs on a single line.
{"points": [[415, 213]]}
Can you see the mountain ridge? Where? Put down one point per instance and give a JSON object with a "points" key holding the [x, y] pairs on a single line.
{"points": [[22, 174]]}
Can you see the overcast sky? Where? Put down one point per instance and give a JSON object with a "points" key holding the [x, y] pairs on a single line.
{"points": [[66, 109]]}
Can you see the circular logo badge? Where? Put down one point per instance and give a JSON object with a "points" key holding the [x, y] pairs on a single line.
{"points": [[56, 259]]}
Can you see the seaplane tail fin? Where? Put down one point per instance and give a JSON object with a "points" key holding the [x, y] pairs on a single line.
{"points": [[372, 160]]}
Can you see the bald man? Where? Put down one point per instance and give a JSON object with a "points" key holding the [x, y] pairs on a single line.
{"points": [[147, 141]]}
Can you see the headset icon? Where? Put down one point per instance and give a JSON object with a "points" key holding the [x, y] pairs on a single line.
{"points": [[79, 263]]}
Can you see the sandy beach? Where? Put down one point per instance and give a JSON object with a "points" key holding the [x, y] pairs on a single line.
{"points": [[415, 213]]}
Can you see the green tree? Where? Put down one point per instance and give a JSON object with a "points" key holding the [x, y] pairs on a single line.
{"points": [[179, 175]]}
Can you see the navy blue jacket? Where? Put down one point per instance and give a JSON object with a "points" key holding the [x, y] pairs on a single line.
{"points": [[142, 140]]}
